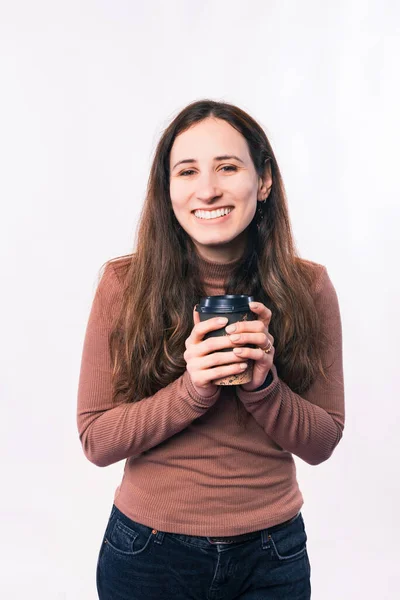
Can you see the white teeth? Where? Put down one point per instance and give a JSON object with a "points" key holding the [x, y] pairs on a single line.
{"points": [[211, 214]]}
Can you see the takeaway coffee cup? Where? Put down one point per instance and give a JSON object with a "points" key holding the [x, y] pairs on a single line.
{"points": [[236, 308]]}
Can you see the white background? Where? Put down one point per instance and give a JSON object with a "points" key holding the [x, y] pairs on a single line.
{"points": [[86, 90]]}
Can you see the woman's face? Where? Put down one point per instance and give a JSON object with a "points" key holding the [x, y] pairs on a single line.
{"points": [[211, 168]]}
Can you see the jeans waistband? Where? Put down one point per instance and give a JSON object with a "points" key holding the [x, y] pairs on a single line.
{"points": [[232, 539]]}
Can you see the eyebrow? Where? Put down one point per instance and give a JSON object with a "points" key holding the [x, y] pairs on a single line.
{"points": [[223, 157]]}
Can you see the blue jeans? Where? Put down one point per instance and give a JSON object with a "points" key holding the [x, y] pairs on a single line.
{"points": [[137, 562]]}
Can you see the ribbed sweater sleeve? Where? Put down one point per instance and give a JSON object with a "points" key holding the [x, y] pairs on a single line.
{"points": [[309, 426], [111, 431]]}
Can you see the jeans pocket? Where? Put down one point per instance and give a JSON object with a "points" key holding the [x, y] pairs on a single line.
{"points": [[290, 542], [125, 536]]}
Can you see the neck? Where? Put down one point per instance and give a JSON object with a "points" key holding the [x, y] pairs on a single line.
{"points": [[224, 253], [214, 274]]}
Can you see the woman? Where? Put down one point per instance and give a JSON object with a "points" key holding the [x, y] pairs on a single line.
{"points": [[209, 505]]}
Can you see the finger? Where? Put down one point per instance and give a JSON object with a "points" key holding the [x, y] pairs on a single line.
{"points": [[242, 326], [256, 354], [262, 311], [259, 339], [202, 327], [196, 315], [196, 320], [216, 359]]}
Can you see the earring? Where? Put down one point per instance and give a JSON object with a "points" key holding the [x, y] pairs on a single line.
{"points": [[260, 213]]}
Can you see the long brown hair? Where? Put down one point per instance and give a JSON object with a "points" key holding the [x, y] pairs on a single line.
{"points": [[162, 282]]}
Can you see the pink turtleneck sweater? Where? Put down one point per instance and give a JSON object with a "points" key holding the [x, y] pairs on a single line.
{"points": [[190, 468]]}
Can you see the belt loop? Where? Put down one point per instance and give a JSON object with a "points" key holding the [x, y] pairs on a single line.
{"points": [[264, 539], [159, 537]]}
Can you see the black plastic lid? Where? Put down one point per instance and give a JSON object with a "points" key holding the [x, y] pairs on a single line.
{"points": [[229, 303]]}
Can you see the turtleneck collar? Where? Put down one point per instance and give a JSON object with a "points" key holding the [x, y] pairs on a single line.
{"points": [[215, 274]]}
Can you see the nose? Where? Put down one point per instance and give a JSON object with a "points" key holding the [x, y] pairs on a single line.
{"points": [[207, 187]]}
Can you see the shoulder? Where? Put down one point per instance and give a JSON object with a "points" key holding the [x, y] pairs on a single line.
{"points": [[110, 289], [111, 286], [312, 271], [317, 277], [113, 272], [322, 289]]}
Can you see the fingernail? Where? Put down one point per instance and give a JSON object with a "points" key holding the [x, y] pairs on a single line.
{"points": [[253, 304], [230, 328]]}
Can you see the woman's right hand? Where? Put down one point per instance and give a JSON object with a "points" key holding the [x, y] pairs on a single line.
{"points": [[203, 361]]}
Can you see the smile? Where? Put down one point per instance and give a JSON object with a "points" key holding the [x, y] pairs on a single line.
{"points": [[212, 215]]}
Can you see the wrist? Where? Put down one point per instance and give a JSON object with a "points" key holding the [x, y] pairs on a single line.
{"points": [[267, 381]]}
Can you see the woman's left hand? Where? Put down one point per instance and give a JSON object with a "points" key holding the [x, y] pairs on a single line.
{"points": [[254, 332]]}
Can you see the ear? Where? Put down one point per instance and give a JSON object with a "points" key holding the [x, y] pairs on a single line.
{"points": [[265, 183]]}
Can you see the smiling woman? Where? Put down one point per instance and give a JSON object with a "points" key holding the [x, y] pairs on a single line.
{"points": [[201, 477], [211, 184]]}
